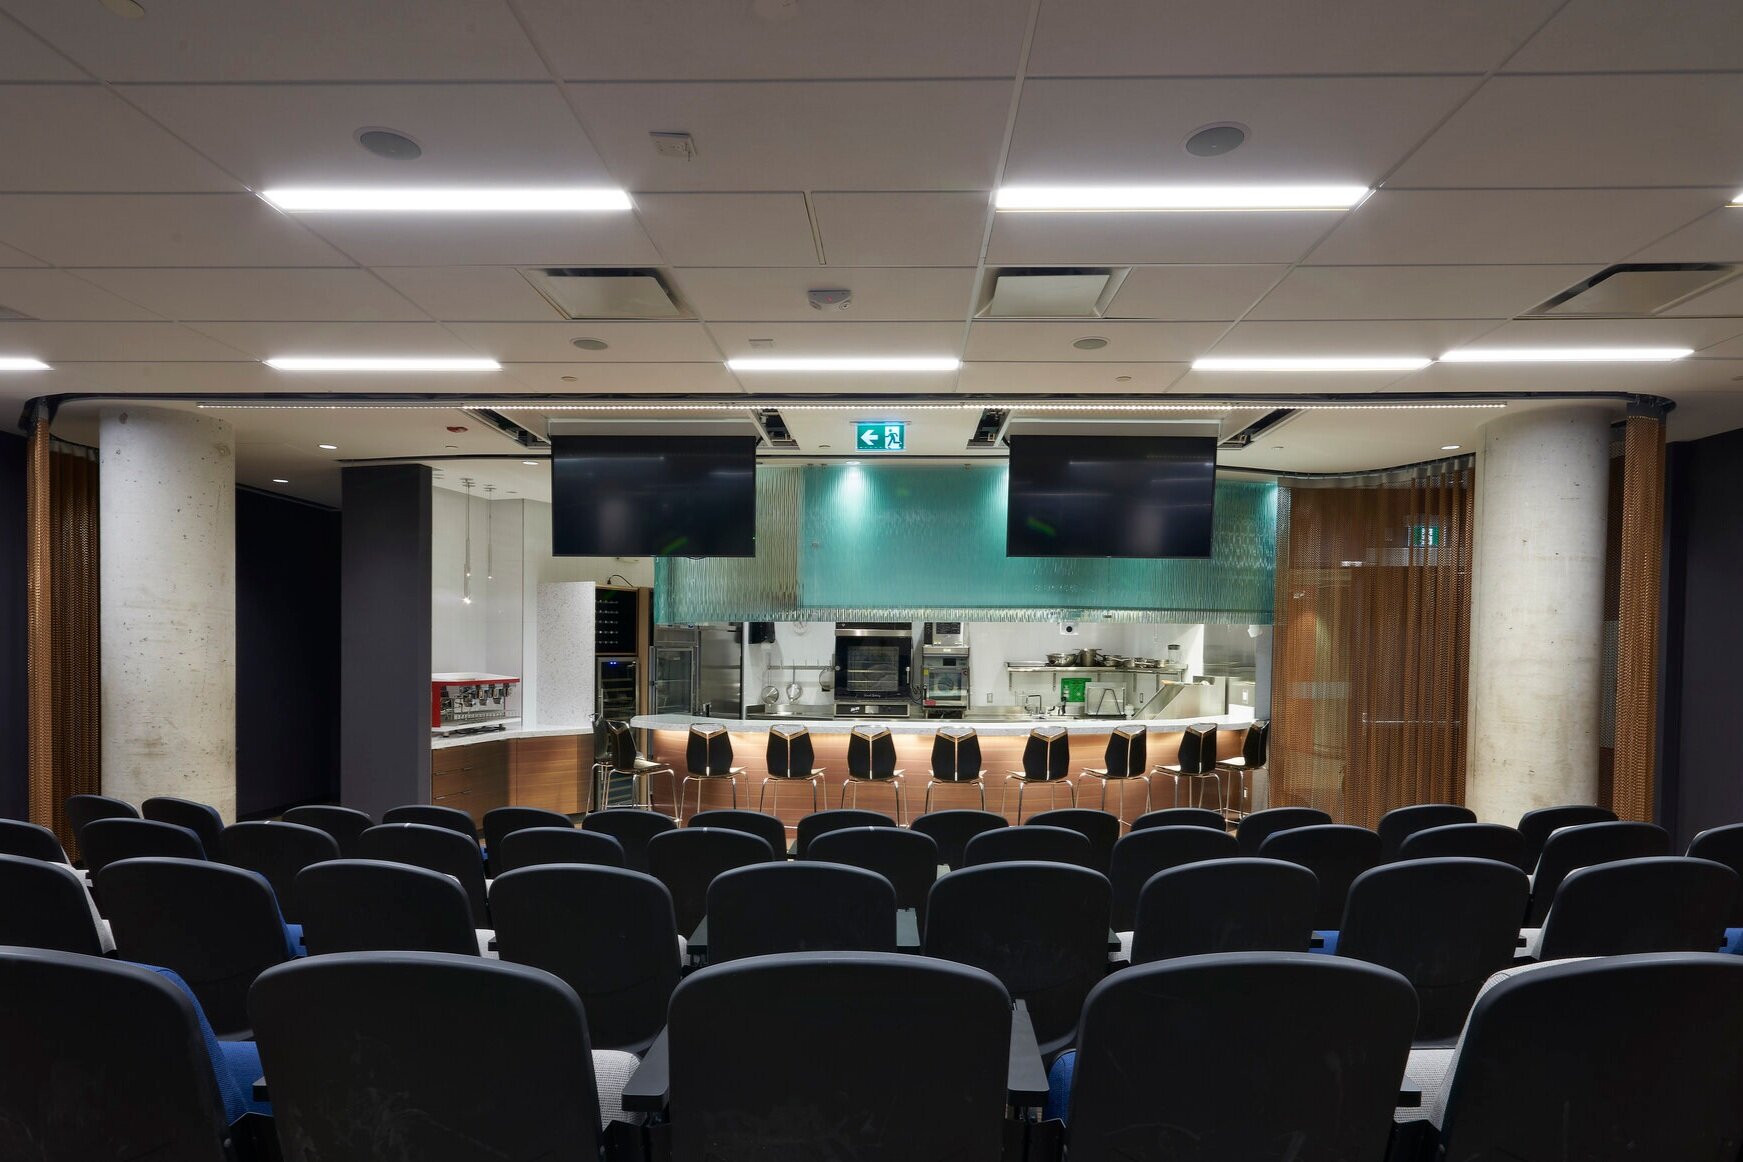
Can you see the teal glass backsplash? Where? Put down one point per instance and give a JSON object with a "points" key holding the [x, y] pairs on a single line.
{"points": [[919, 542]]}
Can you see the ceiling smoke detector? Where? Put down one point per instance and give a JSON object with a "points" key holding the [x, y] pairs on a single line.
{"points": [[589, 344], [1090, 343], [1216, 140], [390, 144]]}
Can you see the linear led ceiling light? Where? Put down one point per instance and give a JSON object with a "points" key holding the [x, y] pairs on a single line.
{"points": [[1173, 199], [1566, 354], [849, 363], [348, 363], [21, 363], [1313, 363], [1737, 202], [445, 200]]}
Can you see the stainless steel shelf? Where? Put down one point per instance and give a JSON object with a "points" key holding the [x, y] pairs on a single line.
{"points": [[1077, 670]]}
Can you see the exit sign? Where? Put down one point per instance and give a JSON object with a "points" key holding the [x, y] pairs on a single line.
{"points": [[881, 436]]}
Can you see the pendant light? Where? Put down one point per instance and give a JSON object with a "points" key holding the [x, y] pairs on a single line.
{"points": [[489, 540], [466, 577]]}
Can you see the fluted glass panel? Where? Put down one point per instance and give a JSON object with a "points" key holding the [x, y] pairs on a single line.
{"points": [[760, 588]]}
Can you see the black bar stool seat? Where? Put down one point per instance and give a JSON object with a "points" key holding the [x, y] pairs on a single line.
{"points": [[708, 755], [956, 760], [871, 761], [1126, 759], [1046, 760]]}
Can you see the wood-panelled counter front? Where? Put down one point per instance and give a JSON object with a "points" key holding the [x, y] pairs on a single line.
{"points": [[552, 769], [1001, 748]]}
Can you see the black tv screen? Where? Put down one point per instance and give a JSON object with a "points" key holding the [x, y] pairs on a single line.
{"points": [[653, 496], [1110, 496]]}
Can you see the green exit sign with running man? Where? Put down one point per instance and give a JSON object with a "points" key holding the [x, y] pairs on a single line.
{"points": [[881, 436]]}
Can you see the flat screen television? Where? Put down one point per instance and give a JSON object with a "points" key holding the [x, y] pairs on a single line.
{"points": [[1110, 496], [653, 496]]}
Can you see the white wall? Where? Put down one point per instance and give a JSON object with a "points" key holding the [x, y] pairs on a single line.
{"points": [[457, 630]]}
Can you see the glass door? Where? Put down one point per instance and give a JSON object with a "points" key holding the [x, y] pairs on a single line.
{"points": [[674, 680]]}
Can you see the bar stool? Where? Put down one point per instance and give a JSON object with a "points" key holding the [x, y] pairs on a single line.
{"points": [[1255, 752], [622, 758], [790, 756], [1046, 759], [871, 758], [1126, 760], [708, 755], [1196, 761], [955, 760]]}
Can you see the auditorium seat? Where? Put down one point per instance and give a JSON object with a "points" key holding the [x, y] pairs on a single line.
{"points": [[502, 821], [30, 841], [1583, 845], [687, 861], [951, 831], [431, 815], [200, 818], [344, 824], [782, 907], [1537, 825], [84, 809], [766, 827], [1401, 823], [106, 841], [1101, 828], [633, 828], [1723, 845], [1008, 844], [1142, 853], [906, 858], [1225, 905], [440, 849], [46, 905], [1254, 829], [536, 845], [1468, 840], [1181, 817], [1652, 904], [818, 822], [366, 905], [278, 851], [1335, 853]]}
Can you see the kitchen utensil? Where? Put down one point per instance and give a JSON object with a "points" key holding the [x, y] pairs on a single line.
{"points": [[826, 681], [793, 691], [1060, 659], [771, 696]]}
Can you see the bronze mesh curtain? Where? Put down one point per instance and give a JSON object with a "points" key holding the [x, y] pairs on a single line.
{"points": [[1637, 531], [1372, 641], [65, 733]]}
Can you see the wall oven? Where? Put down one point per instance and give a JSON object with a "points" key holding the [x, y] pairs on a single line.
{"points": [[874, 665]]}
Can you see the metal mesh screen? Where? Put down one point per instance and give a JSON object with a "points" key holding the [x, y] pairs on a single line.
{"points": [[1640, 552]]}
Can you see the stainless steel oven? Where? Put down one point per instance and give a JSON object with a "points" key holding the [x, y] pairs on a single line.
{"points": [[874, 666]]}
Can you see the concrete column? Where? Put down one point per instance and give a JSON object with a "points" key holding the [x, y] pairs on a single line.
{"points": [[167, 517], [1537, 611]]}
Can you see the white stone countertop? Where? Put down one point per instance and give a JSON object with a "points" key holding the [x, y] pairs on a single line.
{"points": [[928, 725], [516, 732]]}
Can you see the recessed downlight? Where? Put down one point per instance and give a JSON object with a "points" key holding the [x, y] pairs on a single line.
{"points": [[1216, 140], [390, 144], [21, 363], [328, 447], [1090, 343], [589, 344], [1450, 447], [279, 480], [530, 463]]}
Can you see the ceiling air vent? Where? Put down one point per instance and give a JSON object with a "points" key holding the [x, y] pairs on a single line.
{"points": [[775, 429], [524, 436], [1050, 292], [988, 427], [1635, 289], [605, 293]]}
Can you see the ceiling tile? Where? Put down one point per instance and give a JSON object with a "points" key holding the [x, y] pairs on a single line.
{"points": [[1339, 130], [837, 339], [777, 383], [1192, 292], [1714, 237], [729, 229], [1415, 292], [1012, 340], [159, 230], [628, 342], [231, 293], [1422, 337], [139, 377], [605, 239], [1641, 378], [1724, 299], [901, 229], [1277, 384], [1406, 227], [1252, 37], [86, 342], [1657, 332], [25, 58], [313, 40], [267, 340], [55, 295], [1588, 131], [610, 378], [17, 258], [775, 38], [84, 137], [1117, 239], [880, 294], [275, 135], [474, 293], [1603, 35], [841, 135], [993, 378]]}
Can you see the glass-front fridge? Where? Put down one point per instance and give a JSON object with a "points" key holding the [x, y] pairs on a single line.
{"points": [[674, 684]]}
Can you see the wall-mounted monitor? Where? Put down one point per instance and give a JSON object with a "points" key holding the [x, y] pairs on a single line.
{"points": [[626, 495], [1110, 496]]}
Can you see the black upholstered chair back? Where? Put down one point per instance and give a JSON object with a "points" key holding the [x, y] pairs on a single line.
{"points": [[1537, 825], [102, 1057], [1181, 817], [1723, 845], [956, 755], [1101, 828], [820, 822], [1254, 829], [608, 932], [1445, 925], [791, 754], [807, 906], [1325, 1039], [30, 841], [871, 753], [500, 822], [845, 1056], [1198, 749], [1225, 905], [1047, 754], [278, 851], [1557, 1058], [1335, 853], [687, 861], [535, 845], [439, 1056], [1472, 840], [1401, 823], [1048, 844], [431, 815], [708, 751], [367, 905], [344, 824], [623, 750], [217, 927], [1585, 845], [907, 858], [1653, 904], [766, 827], [46, 906], [1141, 854], [435, 848], [200, 818], [633, 828], [951, 831], [1127, 752], [1041, 928], [105, 841], [83, 809]]}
